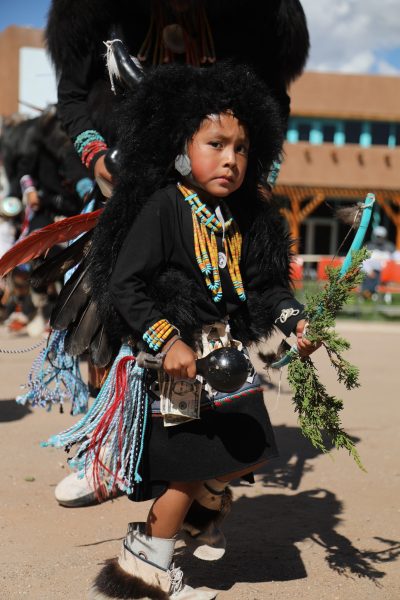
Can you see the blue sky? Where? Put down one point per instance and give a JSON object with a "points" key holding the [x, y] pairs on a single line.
{"points": [[349, 36], [23, 12]]}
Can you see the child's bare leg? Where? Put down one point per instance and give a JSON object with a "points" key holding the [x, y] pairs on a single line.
{"points": [[211, 505], [169, 510], [145, 566]]}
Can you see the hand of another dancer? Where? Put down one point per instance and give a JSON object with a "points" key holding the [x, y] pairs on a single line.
{"points": [[33, 200], [100, 169], [180, 361], [304, 345]]}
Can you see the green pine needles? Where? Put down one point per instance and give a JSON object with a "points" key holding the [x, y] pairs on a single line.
{"points": [[318, 410]]}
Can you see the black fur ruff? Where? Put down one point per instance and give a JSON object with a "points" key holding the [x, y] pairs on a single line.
{"points": [[114, 582]]}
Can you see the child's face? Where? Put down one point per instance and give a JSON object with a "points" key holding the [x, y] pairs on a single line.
{"points": [[218, 153]]}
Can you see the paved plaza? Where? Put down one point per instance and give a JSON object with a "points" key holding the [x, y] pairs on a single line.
{"points": [[312, 527]]}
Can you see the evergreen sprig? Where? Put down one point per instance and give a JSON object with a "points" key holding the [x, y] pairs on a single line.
{"points": [[317, 409]]}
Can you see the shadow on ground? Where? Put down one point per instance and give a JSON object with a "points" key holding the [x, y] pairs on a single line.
{"points": [[11, 411], [296, 452], [266, 534]]}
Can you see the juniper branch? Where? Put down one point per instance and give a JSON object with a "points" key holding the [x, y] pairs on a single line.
{"points": [[318, 410]]}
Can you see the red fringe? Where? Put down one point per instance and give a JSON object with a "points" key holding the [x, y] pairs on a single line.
{"points": [[101, 433]]}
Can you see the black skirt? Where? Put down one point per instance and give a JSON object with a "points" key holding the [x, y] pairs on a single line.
{"points": [[233, 433]]}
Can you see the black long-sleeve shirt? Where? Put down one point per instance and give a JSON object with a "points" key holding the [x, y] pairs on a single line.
{"points": [[162, 236]]}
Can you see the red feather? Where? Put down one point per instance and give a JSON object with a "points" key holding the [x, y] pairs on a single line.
{"points": [[41, 240]]}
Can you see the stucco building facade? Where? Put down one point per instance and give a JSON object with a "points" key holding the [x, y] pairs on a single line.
{"points": [[343, 141], [12, 39]]}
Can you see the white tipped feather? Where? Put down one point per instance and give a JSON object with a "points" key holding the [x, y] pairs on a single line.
{"points": [[112, 66]]}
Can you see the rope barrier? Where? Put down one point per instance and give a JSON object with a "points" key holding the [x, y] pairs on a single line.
{"points": [[22, 350]]}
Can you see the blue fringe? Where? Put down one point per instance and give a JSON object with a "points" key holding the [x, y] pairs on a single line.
{"points": [[57, 382], [62, 373], [134, 419]]}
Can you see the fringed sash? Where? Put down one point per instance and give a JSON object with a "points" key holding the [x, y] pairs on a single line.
{"points": [[55, 377], [111, 435]]}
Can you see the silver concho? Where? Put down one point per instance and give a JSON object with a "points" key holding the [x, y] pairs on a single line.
{"points": [[222, 260]]}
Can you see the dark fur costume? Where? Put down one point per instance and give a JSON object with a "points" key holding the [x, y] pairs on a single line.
{"points": [[75, 27], [168, 108], [271, 37], [114, 582]]}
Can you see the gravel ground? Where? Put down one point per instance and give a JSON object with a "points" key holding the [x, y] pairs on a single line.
{"points": [[312, 527]]}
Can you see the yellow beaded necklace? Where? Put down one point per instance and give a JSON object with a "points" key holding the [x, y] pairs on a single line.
{"points": [[205, 226]]}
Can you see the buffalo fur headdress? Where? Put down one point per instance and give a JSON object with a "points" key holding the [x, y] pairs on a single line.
{"points": [[272, 35], [169, 107], [155, 122]]}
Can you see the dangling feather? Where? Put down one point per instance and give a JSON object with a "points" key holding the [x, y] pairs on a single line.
{"points": [[121, 66], [72, 299], [81, 333], [100, 350], [55, 267], [350, 215], [38, 242], [111, 63]]}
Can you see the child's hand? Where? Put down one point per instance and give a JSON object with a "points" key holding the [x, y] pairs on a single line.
{"points": [[304, 346], [180, 361]]}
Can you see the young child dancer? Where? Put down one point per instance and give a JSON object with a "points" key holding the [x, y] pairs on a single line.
{"points": [[186, 258]]}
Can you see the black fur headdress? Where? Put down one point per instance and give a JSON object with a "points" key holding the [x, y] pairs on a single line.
{"points": [[169, 106]]}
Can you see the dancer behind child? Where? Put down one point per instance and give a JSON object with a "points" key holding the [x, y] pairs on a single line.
{"points": [[197, 261], [274, 40]]}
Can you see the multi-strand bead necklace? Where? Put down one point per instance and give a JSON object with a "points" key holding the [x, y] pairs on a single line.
{"points": [[205, 226]]}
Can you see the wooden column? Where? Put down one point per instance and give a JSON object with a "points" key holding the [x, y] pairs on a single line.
{"points": [[393, 215], [298, 213]]}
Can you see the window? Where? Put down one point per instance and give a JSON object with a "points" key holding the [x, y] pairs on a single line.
{"points": [[380, 134], [352, 130], [328, 132], [304, 132], [397, 135]]}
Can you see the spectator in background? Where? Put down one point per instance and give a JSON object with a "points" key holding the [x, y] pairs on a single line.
{"points": [[44, 170], [49, 171], [381, 250]]}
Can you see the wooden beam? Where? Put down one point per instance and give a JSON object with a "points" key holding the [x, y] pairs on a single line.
{"points": [[312, 205], [393, 215]]}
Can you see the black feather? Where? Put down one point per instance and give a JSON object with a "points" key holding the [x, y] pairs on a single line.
{"points": [[73, 297], [100, 349], [81, 333], [55, 267]]}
